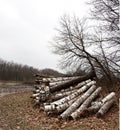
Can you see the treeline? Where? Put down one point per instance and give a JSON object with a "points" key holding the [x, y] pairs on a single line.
{"points": [[51, 72], [16, 72]]}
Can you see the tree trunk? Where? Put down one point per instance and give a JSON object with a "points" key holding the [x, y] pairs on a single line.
{"points": [[96, 106], [75, 94], [108, 97], [72, 82], [80, 84], [85, 104], [57, 83], [62, 94], [57, 79], [49, 107], [78, 102], [35, 95], [64, 106], [105, 108], [67, 99], [69, 91], [59, 108]]}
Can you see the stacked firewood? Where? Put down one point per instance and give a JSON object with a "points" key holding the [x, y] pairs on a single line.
{"points": [[71, 97], [44, 86]]}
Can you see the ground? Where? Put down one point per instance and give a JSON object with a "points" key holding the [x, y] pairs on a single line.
{"points": [[17, 113]]}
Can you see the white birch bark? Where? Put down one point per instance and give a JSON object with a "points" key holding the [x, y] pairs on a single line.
{"points": [[76, 86], [49, 107], [75, 94], [56, 83], [37, 101], [78, 102], [61, 103], [35, 95], [37, 98], [105, 108], [85, 104], [62, 94], [47, 91], [96, 106], [82, 84], [60, 79], [62, 107], [108, 97]]}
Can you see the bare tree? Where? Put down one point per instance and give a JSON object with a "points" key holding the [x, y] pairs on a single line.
{"points": [[75, 40], [107, 12], [16, 72], [75, 43], [71, 43]]}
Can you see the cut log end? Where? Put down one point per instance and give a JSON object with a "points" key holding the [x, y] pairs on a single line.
{"points": [[104, 109], [98, 115]]}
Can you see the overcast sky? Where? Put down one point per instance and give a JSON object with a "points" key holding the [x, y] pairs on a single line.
{"points": [[27, 27]]}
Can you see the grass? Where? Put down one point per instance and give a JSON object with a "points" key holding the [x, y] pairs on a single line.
{"points": [[12, 109], [17, 113]]}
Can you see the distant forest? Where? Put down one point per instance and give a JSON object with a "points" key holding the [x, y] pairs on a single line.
{"points": [[16, 72]]}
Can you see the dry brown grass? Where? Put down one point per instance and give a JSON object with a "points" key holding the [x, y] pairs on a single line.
{"points": [[17, 113]]}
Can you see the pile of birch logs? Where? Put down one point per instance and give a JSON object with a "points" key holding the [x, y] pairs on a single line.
{"points": [[71, 97]]}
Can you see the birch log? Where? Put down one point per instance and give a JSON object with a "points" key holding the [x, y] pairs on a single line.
{"points": [[108, 97], [75, 94], [81, 84], [85, 104], [59, 108], [54, 104], [71, 89], [105, 108], [49, 107], [62, 107], [96, 106], [37, 101], [77, 86], [35, 95], [57, 83], [78, 102], [59, 79], [62, 94], [72, 82]]}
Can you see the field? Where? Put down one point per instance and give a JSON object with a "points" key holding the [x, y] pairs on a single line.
{"points": [[9, 87], [17, 113]]}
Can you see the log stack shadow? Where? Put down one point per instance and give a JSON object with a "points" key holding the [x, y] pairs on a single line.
{"points": [[71, 97]]}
